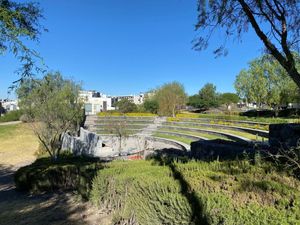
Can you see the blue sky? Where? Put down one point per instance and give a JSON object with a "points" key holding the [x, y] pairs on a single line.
{"points": [[131, 46]]}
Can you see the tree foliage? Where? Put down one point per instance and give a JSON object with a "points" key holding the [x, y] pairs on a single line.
{"points": [[151, 105], [171, 97], [275, 22], [206, 98], [266, 82], [228, 98], [53, 108], [20, 22], [126, 106]]}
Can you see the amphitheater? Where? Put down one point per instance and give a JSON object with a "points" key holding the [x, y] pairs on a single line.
{"points": [[137, 135]]}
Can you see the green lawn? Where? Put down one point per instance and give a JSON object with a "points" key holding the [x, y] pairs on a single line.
{"points": [[236, 117], [205, 135], [172, 137], [234, 132]]}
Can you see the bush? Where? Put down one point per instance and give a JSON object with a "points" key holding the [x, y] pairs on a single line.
{"points": [[67, 173], [160, 191], [11, 116]]}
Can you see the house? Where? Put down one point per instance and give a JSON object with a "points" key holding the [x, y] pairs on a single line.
{"points": [[95, 102]]}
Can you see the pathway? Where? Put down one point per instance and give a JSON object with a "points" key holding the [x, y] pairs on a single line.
{"points": [[10, 123]]}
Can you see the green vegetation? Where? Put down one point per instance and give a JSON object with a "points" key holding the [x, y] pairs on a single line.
{"points": [[224, 130], [53, 107], [206, 98], [67, 173], [171, 97], [173, 137], [234, 117], [126, 106], [258, 126], [7, 130], [164, 192], [266, 81], [199, 134], [268, 19], [151, 105], [119, 114], [11, 116], [19, 23]]}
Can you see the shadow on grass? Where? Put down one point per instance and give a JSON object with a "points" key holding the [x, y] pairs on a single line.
{"points": [[168, 157], [22, 208]]}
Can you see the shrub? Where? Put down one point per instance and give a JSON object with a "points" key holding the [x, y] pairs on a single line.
{"points": [[68, 173], [165, 192], [11, 116]]}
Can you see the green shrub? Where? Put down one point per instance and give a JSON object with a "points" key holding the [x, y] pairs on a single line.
{"points": [[67, 173], [231, 192], [11, 116]]}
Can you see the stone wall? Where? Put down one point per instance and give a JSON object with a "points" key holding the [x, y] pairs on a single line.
{"points": [[87, 143]]}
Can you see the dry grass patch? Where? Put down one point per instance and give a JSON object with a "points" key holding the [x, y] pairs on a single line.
{"points": [[18, 144]]}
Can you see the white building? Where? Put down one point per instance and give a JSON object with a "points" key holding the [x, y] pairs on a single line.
{"points": [[136, 99], [10, 105], [95, 102]]}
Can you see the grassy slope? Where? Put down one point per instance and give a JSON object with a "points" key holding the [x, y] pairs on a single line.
{"points": [[17, 144], [234, 132], [172, 137], [197, 192], [236, 117], [205, 135]]}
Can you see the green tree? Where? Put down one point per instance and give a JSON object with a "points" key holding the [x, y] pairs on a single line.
{"points": [[195, 101], [171, 97], [266, 82], [208, 96], [275, 22], [20, 22], [126, 106], [53, 108], [151, 105], [228, 99]]}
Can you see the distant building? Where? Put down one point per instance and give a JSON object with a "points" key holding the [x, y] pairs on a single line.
{"points": [[95, 102], [9, 105], [136, 99]]}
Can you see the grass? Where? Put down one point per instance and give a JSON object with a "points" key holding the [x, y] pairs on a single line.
{"points": [[172, 137], [236, 117], [205, 135], [164, 192], [228, 131], [18, 144], [133, 114], [220, 122]]}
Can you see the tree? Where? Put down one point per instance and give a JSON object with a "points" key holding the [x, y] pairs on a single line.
{"points": [[53, 108], [20, 22], [170, 97], [195, 101], [117, 128], [228, 99], [126, 106], [208, 96], [151, 105], [266, 82], [275, 22]]}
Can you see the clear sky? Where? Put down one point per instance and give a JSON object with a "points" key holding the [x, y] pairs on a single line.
{"points": [[130, 46]]}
